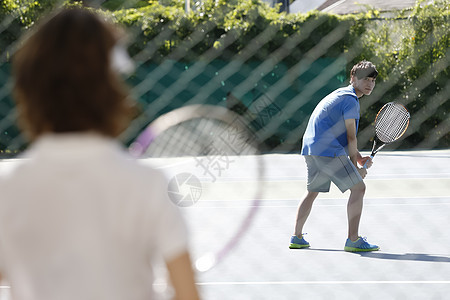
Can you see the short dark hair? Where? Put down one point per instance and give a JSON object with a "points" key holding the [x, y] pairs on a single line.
{"points": [[63, 77], [364, 69]]}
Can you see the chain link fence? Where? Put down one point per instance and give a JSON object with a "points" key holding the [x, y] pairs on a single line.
{"points": [[272, 73], [277, 75]]}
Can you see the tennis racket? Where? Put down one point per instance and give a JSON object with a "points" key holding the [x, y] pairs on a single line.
{"points": [[391, 123], [211, 160]]}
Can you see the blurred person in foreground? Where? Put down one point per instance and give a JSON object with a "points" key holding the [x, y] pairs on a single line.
{"points": [[79, 218], [331, 155]]}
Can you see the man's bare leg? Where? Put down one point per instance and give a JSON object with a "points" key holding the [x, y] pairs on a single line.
{"points": [[354, 209], [303, 211]]}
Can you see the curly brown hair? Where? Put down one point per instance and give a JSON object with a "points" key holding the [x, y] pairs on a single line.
{"points": [[63, 77]]}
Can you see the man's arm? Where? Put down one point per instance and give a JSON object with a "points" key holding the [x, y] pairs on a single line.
{"points": [[353, 152]]}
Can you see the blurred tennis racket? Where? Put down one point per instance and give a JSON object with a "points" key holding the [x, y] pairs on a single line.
{"points": [[391, 123], [211, 159]]}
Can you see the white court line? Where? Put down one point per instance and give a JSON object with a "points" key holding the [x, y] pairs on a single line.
{"points": [[390, 204], [377, 177], [317, 205], [335, 199], [262, 202], [322, 282], [310, 282], [264, 206], [331, 205]]}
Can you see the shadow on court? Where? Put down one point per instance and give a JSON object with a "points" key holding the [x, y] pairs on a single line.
{"points": [[406, 256], [390, 256]]}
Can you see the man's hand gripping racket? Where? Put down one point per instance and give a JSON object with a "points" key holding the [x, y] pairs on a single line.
{"points": [[391, 123]]}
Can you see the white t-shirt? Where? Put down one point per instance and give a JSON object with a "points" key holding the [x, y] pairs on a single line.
{"points": [[80, 219]]}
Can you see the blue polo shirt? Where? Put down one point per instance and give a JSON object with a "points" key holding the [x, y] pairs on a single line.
{"points": [[326, 134]]}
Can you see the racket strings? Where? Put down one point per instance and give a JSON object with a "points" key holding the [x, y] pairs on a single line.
{"points": [[184, 139], [201, 137], [391, 122], [178, 140]]}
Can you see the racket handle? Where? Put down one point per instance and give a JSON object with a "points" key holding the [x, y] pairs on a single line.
{"points": [[365, 165]]}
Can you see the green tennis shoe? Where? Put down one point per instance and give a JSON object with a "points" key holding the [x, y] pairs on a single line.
{"points": [[360, 245], [298, 243]]}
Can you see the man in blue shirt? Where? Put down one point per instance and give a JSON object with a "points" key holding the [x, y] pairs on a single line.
{"points": [[331, 154]]}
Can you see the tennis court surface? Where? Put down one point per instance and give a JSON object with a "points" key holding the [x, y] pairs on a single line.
{"points": [[406, 213]]}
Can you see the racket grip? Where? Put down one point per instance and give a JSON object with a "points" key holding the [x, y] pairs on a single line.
{"points": [[365, 165]]}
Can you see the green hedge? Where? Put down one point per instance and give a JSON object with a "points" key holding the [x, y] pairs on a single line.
{"points": [[410, 49]]}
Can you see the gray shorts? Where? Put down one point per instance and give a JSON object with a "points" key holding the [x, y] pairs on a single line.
{"points": [[323, 170]]}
